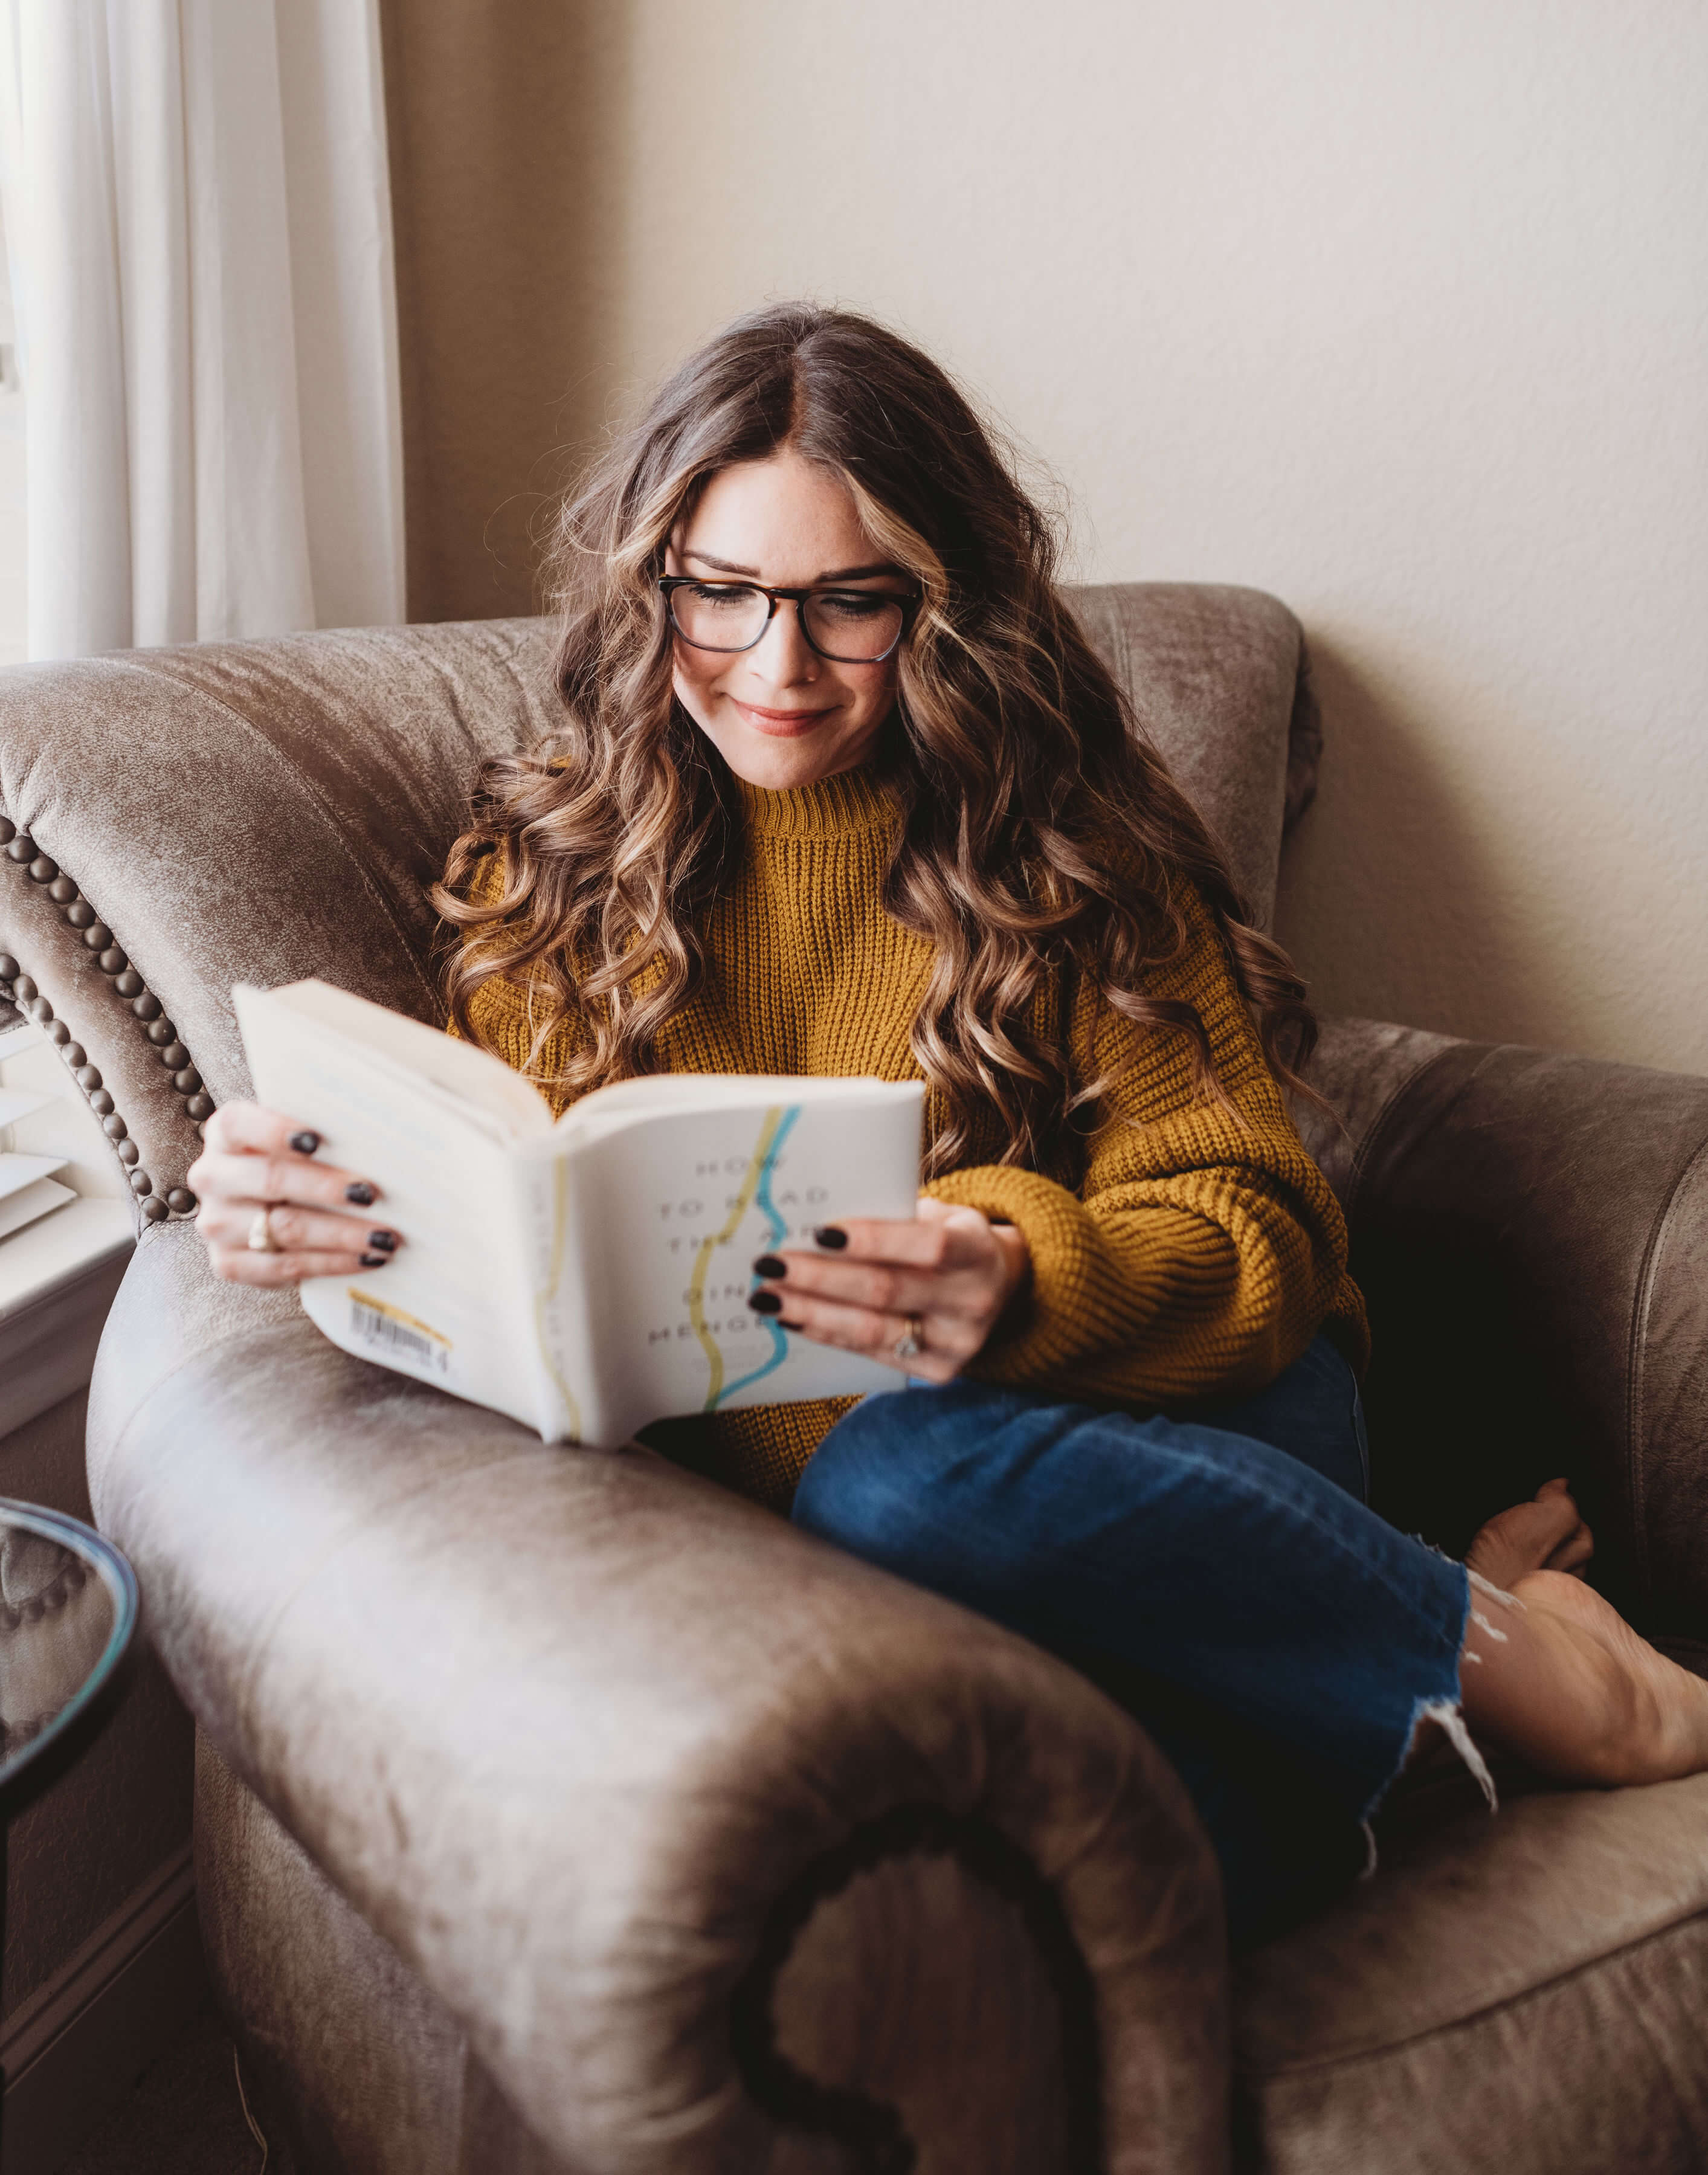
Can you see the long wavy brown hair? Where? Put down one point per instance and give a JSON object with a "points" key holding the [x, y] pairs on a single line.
{"points": [[1040, 832]]}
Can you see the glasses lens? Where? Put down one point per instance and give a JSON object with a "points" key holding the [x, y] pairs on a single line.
{"points": [[852, 627], [719, 615]]}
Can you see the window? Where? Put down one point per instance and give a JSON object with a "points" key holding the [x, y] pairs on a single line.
{"points": [[14, 607]]}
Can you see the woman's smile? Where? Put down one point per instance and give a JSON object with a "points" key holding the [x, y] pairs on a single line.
{"points": [[783, 725]]}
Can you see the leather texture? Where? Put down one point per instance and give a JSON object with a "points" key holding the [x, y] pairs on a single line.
{"points": [[563, 1728], [1522, 1992], [1543, 1219], [940, 1958], [560, 1813], [341, 2041], [261, 810], [1219, 685]]}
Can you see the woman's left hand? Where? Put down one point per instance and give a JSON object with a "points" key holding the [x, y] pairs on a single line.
{"points": [[951, 1270]]}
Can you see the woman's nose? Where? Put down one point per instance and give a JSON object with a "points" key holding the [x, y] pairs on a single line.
{"points": [[783, 651]]}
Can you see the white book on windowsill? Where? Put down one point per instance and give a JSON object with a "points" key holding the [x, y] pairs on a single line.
{"points": [[29, 1188], [19, 1171], [588, 1275], [18, 1103], [31, 1203]]}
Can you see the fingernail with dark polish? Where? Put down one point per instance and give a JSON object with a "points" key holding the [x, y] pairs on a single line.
{"points": [[768, 1265], [305, 1144], [384, 1242], [361, 1193], [375, 1260], [766, 1303], [830, 1235]]}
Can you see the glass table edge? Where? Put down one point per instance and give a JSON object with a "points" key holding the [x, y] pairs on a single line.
{"points": [[120, 1580]]}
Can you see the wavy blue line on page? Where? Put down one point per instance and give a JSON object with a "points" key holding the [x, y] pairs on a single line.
{"points": [[779, 1233]]}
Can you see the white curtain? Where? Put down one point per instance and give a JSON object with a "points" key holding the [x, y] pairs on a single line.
{"points": [[198, 223]]}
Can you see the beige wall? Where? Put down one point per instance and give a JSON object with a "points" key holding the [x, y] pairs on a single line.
{"points": [[1396, 311]]}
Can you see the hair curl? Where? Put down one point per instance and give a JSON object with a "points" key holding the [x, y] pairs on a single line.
{"points": [[1040, 831]]}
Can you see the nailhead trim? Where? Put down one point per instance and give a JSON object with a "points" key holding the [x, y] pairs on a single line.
{"points": [[70, 1578], [20, 990]]}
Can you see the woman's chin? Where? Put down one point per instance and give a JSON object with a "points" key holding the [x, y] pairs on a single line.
{"points": [[777, 764]]}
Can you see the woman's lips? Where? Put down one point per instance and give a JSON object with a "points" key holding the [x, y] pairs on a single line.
{"points": [[782, 724]]}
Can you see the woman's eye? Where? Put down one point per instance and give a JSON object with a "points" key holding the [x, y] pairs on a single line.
{"points": [[854, 605], [713, 595]]}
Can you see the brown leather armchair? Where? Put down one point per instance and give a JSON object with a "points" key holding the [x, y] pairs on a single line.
{"points": [[558, 1811]]}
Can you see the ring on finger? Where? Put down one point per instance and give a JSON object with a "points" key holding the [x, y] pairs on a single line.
{"points": [[261, 1237], [912, 1341]]}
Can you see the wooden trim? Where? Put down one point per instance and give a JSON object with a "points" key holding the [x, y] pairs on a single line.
{"points": [[78, 2042]]}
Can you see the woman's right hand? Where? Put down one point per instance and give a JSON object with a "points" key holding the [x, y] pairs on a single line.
{"points": [[322, 1220]]}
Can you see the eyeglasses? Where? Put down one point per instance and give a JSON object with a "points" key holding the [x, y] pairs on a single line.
{"points": [[845, 626]]}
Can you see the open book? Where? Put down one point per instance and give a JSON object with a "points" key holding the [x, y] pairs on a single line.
{"points": [[591, 1274]]}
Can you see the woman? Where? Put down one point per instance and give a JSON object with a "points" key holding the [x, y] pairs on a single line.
{"points": [[841, 789]]}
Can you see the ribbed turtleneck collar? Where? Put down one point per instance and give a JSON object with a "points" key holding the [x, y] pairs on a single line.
{"points": [[852, 801]]}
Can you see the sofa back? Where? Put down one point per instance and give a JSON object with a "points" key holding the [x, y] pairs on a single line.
{"points": [[172, 821]]}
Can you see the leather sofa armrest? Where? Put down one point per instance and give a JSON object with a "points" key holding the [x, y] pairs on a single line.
{"points": [[571, 1728], [1532, 1230], [172, 821]]}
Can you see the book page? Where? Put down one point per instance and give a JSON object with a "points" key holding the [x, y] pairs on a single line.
{"points": [[452, 1306], [672, 1210], [385, 1046]]}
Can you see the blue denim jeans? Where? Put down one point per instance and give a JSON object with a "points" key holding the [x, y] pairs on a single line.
{"points": [[1214, 1567]]}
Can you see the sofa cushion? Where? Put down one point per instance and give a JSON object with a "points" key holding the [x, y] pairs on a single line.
{"points": [[1522, 1993]]}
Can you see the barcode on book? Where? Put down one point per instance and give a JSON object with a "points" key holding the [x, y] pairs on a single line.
{"points": [[395, 1335]]}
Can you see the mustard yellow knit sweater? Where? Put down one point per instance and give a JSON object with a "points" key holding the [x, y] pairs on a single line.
{"points": [[1202, 1251]]}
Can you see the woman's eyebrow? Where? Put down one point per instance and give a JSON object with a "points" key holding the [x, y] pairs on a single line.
{"points": [[841, 574], [724, 565]]}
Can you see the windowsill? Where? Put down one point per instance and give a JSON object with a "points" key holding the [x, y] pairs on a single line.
{"points": [[58, 1279], [57, 1275]]}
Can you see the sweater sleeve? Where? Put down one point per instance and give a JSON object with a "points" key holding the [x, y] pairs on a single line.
{"points": [[1204, 1248]]}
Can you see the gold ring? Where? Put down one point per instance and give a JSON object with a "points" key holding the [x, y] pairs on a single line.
{"points": [[911, 1340], [261, 1237]]}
